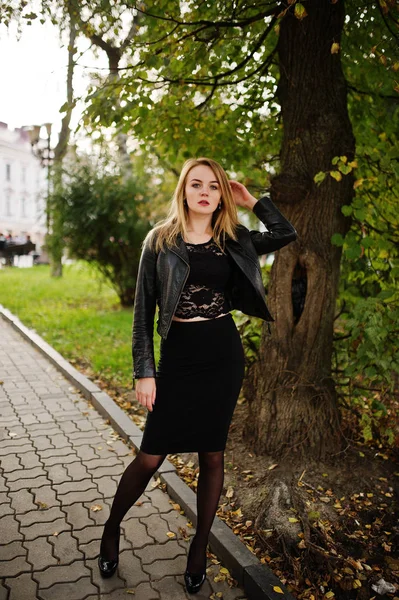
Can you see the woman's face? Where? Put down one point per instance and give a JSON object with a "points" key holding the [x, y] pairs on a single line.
{"points": [[202, 190]]}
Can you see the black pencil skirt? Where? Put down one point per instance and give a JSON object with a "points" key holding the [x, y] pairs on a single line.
{"points": [[198, 381]]}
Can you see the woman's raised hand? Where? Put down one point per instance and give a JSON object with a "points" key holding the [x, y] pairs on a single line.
{"points": [[241, 195], [145, 391]]}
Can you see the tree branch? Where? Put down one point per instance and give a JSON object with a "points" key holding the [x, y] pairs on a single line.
{"points": [[227, 23], [368, 93]]}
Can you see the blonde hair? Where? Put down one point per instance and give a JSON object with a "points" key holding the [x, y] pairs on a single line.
{"points": [[224, 220]]}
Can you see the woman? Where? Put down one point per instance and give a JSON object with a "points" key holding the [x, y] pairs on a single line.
{"points": [[196, 265]]}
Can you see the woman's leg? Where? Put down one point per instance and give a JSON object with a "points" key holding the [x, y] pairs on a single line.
{"points": [[132, 484], [210, 485]]}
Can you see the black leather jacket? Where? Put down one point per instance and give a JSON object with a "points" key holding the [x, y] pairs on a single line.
{"points": [[161, 278]]}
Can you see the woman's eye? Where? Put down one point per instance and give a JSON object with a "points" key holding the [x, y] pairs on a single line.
{"points": [[195, 184], [214, 187]]}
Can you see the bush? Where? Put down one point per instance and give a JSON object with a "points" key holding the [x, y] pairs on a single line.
{"points": [[104, 222]]}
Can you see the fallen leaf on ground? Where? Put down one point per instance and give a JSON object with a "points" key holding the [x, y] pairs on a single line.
{"points": [[170, 534]]}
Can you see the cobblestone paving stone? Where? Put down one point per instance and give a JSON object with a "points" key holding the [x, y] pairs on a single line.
{"points": [[60, 464]]}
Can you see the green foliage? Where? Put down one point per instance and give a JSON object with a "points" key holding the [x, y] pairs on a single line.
{"points": [[104, 221], [177, 97], [367, 356], [366, 349]]}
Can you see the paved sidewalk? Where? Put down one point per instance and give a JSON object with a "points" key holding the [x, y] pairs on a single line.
{"points": [[60, 463]]}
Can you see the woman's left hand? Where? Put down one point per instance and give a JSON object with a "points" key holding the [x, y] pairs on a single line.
{"points": [[241, 195]]}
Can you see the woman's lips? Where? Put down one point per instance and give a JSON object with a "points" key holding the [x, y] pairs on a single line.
{"points": [[203, 202]]}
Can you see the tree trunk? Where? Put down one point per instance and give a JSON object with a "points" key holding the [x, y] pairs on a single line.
{"points": [[290, 391], [56, 242], [126, 297]]}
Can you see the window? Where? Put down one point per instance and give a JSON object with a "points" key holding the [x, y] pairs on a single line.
{"points": [[8, 205], [23, 206], [8, 172]]}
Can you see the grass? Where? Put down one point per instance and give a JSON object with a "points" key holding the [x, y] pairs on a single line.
{"points": [[78, 314]]}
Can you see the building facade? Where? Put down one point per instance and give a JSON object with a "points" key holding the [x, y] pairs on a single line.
{"points": [[22, 188]]}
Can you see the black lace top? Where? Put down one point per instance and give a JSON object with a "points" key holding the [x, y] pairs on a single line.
{"points": [[210, 272]]}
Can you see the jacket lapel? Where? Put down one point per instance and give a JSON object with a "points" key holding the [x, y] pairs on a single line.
{"points": [[180, 248]]}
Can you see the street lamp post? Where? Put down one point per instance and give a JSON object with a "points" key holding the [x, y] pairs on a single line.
{"points": [[45, 155]]}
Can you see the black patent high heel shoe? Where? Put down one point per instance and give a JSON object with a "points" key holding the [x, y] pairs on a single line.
{"points": [[108, 567], [193, 581]]}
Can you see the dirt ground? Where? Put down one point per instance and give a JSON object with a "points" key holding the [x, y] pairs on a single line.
{"points": [[325, 529]]}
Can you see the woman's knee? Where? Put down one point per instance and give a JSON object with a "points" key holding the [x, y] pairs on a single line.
{"points": [[150, 462], [211, 460]]}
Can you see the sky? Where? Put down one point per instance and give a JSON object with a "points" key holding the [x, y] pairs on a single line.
{"points": [[33, 76]]}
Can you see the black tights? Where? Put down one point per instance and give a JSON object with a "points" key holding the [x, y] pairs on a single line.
{"points": [[133, 483]]}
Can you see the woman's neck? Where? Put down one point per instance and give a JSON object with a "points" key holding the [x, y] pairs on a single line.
{"points": [[200, 227]]}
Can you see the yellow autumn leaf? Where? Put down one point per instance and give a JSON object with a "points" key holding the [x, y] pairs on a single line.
{"points": [[300, 11], [336, 175], [329, 595], [96, 507], [278, 589], [293, 520], [335, 48], [170, 534], [224, 571], [272, 467]]}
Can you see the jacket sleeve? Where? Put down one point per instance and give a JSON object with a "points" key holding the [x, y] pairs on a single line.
{"points": [[280, 231], [144, 313]]}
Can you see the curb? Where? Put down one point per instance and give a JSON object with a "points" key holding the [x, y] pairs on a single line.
{"points": [[256, 579]]}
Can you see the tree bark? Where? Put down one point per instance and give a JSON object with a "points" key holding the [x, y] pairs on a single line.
{"points": [[290, 390]]}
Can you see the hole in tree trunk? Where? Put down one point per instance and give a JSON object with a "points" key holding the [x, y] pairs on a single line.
{"points": [[298, 293]]}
